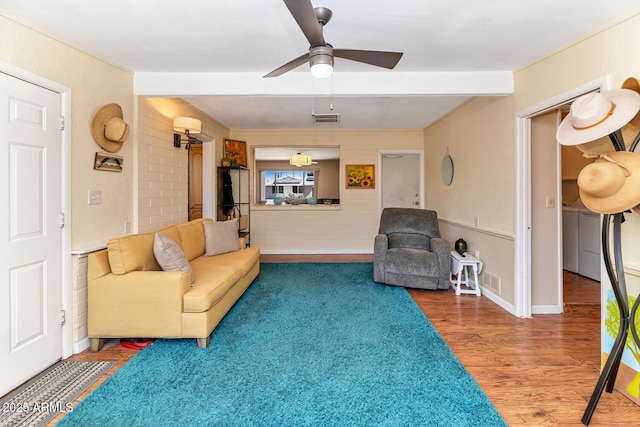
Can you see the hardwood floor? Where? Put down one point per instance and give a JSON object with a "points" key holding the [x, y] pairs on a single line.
{"points": [[537, 372], [579, 289]]}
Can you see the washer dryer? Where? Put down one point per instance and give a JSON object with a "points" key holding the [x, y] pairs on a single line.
{"points": [[570, 238], [590, 246], [581, 240]]}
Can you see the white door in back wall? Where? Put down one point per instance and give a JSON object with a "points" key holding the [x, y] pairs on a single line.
{"points": [[400, 180], [30, 231]]}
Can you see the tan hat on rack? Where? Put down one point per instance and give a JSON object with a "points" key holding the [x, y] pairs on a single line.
{"points": [[598, 114], [108, 128], [611, 184], [629, 131]]}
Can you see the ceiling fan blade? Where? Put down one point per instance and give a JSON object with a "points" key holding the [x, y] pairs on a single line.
{"points": [[374, 57], [302, 11], [289, 66]]}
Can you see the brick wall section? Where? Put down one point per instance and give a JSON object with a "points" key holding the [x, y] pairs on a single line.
{"points": [[79, 280], [162, 173]]}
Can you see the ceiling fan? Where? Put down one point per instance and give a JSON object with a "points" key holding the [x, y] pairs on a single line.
{"points": [[321, 54]]}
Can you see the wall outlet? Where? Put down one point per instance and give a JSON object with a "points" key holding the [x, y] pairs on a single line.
{"points": [[127, 227], [476, 221], [476, 254]]}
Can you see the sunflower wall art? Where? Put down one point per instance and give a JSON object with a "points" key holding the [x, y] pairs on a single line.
{"points": [[361, 176]]}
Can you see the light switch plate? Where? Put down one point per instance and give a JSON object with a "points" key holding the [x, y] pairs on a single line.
{"points": [[551, 202], [95, 197]]}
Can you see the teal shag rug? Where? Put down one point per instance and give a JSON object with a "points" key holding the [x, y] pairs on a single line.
{"points": [[308, 344]]}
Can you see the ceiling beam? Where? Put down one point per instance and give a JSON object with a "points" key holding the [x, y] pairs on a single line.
{"points": [[494, 83]]}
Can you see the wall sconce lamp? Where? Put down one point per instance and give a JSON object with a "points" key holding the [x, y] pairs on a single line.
{"points": [[300, 160], [187, 125]]}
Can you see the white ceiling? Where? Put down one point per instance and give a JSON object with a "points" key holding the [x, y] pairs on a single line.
{"points": [[453, 49]]}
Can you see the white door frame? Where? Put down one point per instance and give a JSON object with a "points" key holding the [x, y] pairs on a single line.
{"points": [[208, 153], [65, 166], [522, 254], [420, 154]]}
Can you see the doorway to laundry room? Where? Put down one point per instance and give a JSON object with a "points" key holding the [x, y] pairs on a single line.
{"points": [[580, 231], [565, 240]]}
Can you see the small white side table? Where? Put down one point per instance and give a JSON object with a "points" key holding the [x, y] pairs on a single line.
{"points": [[459, 266]]}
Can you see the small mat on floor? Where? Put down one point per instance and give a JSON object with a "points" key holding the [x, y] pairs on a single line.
{"points": [[53, 391]]}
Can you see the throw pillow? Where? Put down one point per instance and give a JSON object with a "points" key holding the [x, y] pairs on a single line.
{"points": [[170, 255], [221, 237]]}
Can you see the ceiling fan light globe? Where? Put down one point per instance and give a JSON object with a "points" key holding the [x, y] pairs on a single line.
{"points": [[321, 71], [321, 61]]}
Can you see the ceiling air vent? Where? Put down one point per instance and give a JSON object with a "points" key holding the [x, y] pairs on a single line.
{"points": [[326, 118]]}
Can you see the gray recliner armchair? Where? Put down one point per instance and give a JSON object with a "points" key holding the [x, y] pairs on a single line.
{"points": [[409, 252]]}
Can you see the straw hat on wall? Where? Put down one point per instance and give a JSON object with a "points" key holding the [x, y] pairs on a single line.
{"points": [[108, 128]]}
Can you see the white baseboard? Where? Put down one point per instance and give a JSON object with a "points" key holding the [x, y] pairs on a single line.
{"points": [[316, 251], [499, 301], [546, 309], [80, 346]]}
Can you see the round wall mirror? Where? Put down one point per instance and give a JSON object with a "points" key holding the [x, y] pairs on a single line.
{"points": [[447, 170]]}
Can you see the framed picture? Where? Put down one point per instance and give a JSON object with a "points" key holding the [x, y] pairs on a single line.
{"points": [[360, 176], [108, 162], [236, 151]]}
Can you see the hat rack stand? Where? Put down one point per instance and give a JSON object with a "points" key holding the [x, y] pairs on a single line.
{"points": [[627, 317]]}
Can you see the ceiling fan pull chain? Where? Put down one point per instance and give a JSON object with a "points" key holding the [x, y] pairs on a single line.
{"points": [[313, 99], [331, 91]]}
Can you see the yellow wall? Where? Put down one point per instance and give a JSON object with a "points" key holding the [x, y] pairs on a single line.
{"points": [[347, 228], [478, 206], [93, 83]]}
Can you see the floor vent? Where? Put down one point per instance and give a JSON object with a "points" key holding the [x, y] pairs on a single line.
{"points": [[326, 118]]}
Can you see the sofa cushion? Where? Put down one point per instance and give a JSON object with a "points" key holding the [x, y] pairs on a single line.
{"points": [[221, 237], [192, 238], [172, 232], [212, 284], [132, 253], [170, 255], [409, 240], [244, 260], [413, 262]]}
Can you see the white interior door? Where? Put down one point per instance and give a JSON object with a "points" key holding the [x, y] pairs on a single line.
{"points": [[400, 179], [30, 235]]}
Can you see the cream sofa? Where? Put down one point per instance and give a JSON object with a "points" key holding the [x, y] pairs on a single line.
{"points": [[129, 296]]}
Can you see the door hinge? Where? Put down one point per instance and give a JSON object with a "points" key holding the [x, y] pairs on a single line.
{"points": [[61, 122], [63, 317], [61, 220]]}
